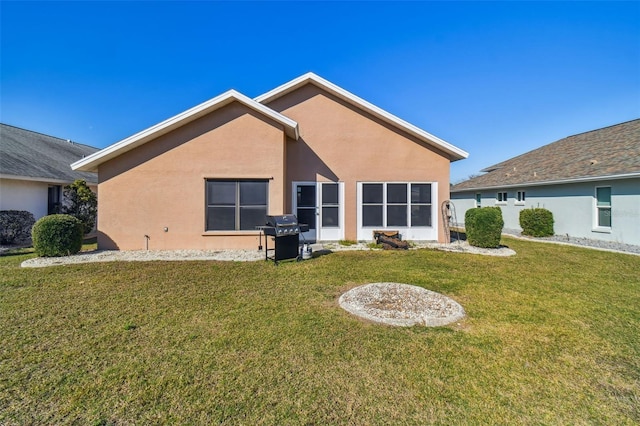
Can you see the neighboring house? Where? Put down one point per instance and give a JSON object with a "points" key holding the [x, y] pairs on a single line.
{"points": [[34, 168], [590, 182], [207, 177]]}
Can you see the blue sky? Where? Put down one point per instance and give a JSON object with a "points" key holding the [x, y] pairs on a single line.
{"points": [[496, 79]]}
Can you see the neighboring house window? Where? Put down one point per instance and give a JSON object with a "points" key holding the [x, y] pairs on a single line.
{"points": [[520, 197], [502, 197], [236, 205], [53, 205], [603, 206], [396, 204], [478, 200]]}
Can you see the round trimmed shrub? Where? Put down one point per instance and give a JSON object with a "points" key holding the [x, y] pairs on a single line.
{"points": [[536, 222], [484, 226], [57, 235], [15, 226]]}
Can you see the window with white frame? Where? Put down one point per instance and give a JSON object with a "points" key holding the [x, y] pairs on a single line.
{"points": [[520, 197], [235, 205], [603, 206], [372, 204], [501, 197], [396, 205], [420, 204], [478, 200], [330, 205]]}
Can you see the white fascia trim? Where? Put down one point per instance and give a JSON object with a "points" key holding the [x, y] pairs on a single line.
{"points": [[552, 182], [91, 162], [455, 152]]}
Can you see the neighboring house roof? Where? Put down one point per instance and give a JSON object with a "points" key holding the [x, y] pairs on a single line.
{"points": [[30, 155], [92, 162], [609, 153], [455, 153]]}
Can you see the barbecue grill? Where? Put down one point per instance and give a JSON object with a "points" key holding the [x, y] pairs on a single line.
{"points": [[285, 232]]}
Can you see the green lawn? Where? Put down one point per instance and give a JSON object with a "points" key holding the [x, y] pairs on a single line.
{"points": [[552, 336]]}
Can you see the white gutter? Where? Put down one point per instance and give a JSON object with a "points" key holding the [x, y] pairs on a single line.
{"points": [[552, 182]]}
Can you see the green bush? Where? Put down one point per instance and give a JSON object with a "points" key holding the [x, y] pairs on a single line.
{"points": [[15, 226], [484, 226], [82, 203], [57, 235], [536, 222]]}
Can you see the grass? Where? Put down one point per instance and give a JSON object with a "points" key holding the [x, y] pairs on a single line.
{"points": [[551, 337]]}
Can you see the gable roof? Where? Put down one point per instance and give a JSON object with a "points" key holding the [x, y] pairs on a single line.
{"points": [[610, 152], [92, 162], [454, 153], [34, 156]]}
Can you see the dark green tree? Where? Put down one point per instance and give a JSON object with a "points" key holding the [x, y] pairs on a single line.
{"points": [[81, 202]]}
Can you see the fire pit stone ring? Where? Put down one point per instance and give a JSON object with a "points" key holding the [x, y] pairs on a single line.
{"points": [[401, 305]]}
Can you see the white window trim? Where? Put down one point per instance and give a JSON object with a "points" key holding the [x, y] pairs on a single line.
{"points": [[596, 226], [517, 202], [504, 202], [478, 202], [237, 206], [414, 233]]}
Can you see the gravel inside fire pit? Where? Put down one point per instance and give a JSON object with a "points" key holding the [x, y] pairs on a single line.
{"points": [[401, 305]]}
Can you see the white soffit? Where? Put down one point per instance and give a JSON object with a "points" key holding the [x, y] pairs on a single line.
{"points": [[91, 162], [455, 152]]}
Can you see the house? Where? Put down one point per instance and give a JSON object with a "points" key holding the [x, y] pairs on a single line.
{"points": [[205, 178], [590, 182], [34, 168]]}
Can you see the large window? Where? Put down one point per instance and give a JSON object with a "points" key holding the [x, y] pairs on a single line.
{"points": [[236, 205], [396, 204], [603, 206]]}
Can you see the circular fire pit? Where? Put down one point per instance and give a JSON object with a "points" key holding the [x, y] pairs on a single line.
{"points": [[401, 305]]}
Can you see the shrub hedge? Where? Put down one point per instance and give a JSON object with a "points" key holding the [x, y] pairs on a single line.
{"points": [[15, 226], [484, 226], [57, 235], [82, 203], [536, 222]]}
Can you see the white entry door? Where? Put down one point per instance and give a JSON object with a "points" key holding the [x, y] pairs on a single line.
{"points": [[320, 205], [305, 208], [331, 211]]}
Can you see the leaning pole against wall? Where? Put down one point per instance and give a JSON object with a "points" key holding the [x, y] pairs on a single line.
{"points": [[449, 220]]}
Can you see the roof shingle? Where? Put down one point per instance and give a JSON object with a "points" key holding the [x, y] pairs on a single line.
{"points": [[24, 153], [610, 151]]}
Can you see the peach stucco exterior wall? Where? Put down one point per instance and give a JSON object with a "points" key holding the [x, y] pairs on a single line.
{"points": [[161, 184], [340, 143]]}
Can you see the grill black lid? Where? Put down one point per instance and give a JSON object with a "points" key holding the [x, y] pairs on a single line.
{"points": [[282, 220]]}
